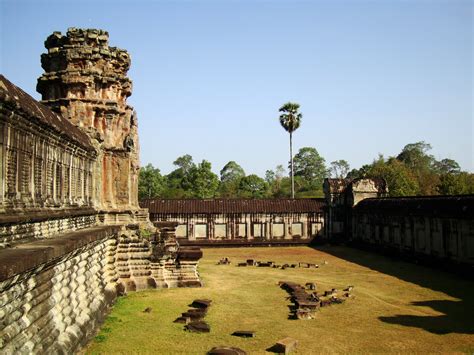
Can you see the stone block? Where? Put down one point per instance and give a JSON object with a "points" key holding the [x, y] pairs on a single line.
{"points": [[201, 303], [226, 350], [244, 333], [198, 327], [286, 345]]}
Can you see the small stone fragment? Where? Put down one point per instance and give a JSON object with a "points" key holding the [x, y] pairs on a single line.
{"points": [[244, 333], [183, 320], [148, 310], [286, 345], [201, 303], [226, 350], [198, 327]]}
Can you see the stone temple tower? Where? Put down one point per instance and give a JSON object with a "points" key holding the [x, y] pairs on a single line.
{"points": [[86, 81]]}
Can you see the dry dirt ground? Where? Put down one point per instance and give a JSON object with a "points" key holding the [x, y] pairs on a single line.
{"points": [[398, 307]]}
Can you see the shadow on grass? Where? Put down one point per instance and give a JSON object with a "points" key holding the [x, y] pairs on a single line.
{"points": [[457, 315]]}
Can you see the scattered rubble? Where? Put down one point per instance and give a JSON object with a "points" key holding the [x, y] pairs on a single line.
{"points": [[305, 304], [193, 317]]}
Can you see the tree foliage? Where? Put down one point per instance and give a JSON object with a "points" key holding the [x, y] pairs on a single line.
{"points": [[231, 174], [253, 186], [290, 120], [399, 178], [204, 183], [414, 171], [339, 169], [310, 166], [150, 183]]}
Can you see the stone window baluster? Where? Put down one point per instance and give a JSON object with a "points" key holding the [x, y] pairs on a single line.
{"points": [[12, 163]]}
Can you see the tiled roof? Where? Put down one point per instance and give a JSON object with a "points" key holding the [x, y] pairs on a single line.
{"points": [[189, 206], [12, 95], [459, 206]]}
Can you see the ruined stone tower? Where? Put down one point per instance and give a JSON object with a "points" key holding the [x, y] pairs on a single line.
{"points": [[86, 81]]}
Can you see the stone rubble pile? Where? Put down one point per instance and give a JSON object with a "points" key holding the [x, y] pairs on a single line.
{"points": [[193, 317], [305, 304]]}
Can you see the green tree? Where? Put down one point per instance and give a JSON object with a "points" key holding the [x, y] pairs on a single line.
{"points": [[310, 166], [150, 182], [276, 182], [399, 178], [204, 182], [339, 169], [290, 120], [456, 183], [230, 174], [415, 157], [362, 172], [253, 186], [178, 182], [447, 166]]}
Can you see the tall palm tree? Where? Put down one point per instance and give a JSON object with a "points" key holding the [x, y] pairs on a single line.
{"points": [[290, 120]]}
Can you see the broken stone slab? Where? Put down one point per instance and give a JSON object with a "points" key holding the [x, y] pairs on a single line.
{"points": [[349, 288], [286, 345], [264, 264], [242, 264], [194, 315], [226, 350], [336, 300], [147, 310], [198, 327], [311, 286], [182, 320], [201, 303], [250, 262], [304, 314], [244, 333], [325, 303], [307, 305]]}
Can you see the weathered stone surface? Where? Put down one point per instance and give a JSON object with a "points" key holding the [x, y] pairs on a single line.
{"points": [[201, 303], [226, 350], [286, 345], [86, 81], [198, 327], [244, 333]]}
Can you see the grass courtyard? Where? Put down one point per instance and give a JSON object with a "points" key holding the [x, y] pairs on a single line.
{"points": [[398, 307]]}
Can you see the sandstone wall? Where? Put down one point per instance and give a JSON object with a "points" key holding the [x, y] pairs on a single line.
{"points": [[56, 307], [86, 81], [72, 236]]}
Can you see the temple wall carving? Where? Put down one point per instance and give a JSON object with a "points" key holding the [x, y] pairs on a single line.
{"points": [[43, 171]]}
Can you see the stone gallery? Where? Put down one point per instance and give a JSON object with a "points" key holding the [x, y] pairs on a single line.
{"points": [[72, 233], [241, 221]]}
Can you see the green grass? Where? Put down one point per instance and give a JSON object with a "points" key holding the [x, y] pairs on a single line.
{"points": [[398, 307]]}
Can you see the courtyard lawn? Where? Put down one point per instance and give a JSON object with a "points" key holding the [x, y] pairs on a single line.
{"points": [[398, 307]]}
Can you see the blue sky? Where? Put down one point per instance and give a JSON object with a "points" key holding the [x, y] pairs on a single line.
{"points": [[209, 76]]}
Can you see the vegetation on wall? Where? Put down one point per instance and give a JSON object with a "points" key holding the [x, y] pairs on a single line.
{"points": [[412, 172]]}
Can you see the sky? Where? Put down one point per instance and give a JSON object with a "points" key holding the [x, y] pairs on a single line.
{"points": [[209, 76]]}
